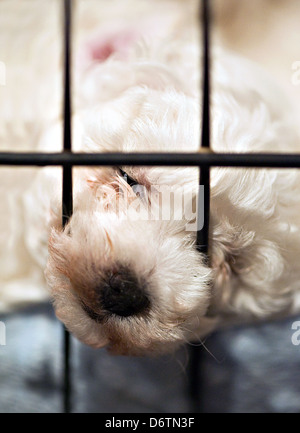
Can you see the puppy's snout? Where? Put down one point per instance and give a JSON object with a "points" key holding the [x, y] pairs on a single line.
{"points": [[124, 296]]}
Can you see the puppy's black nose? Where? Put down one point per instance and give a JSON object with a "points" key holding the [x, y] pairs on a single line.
{"points": [[123, 295]]}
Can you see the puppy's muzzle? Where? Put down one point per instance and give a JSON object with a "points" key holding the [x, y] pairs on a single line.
{"points": [[121, 294]]}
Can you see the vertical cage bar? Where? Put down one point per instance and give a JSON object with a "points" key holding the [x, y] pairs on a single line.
{"points": [[67, 196], [203, 235], [196, 352]]}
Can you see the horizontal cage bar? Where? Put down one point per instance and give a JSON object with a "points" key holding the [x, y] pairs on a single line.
{"points": [[258, 160]]}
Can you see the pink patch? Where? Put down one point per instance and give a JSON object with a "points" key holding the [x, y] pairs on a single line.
{"points": [[102, 46], [102, 53]]}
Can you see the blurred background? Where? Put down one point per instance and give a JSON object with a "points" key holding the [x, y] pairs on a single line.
{"points": [[247, 369]]}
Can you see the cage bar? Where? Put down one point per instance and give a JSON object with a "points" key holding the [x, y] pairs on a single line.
{"points": [[67, 189], [202, 240], [204, 179], [238, 160]]}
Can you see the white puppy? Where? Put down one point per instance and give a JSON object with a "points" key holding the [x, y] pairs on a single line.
{"points": [[137, 284]]}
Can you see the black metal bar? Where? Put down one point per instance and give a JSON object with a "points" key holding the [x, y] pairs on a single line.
{"points": [[67, 196], [242, 160], [202, 242], [67, 371], [202, 235], [67, 76], [205, 18]]}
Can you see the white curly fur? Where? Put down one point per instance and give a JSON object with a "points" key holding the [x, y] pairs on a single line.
{"points": [[149, 101]]}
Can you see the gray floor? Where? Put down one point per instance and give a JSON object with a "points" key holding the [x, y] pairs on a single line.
{"points": [[250, 369]]}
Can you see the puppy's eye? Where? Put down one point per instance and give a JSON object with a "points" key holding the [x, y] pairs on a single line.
{"points": [[139, 190], [131, 182]]}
